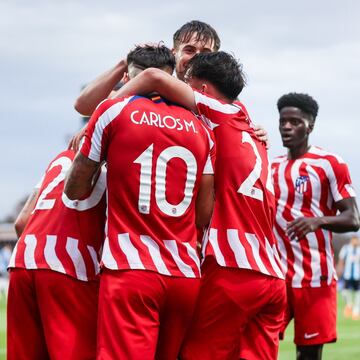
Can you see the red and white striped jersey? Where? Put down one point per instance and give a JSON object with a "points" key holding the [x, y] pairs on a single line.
{"points": [[63, 235], [156, 154], [240, 233], [309, 186]]}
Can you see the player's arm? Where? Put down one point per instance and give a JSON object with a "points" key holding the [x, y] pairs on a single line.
{"points": [[346, 220], [204, 201], [81, 177], [99, 89], [25, 212], [175, 90], [156, 80]]}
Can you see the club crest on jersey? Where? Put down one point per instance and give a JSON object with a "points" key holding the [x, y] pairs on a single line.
{"points": [[301, 184]]}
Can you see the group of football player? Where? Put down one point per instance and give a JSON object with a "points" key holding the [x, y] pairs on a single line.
{"points": [[168, 234]]}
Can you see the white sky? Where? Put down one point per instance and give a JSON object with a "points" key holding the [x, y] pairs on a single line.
{"points": [[48, 49]]}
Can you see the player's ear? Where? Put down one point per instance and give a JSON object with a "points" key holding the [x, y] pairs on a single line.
{"points": [[311, 127], [125, 78], [204, 88]]}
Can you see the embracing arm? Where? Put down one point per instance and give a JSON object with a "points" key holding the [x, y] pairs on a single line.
{"points": [[80, 179], [204, 201], [99, 89], [159, 81], [25, 212], [346, 220]]}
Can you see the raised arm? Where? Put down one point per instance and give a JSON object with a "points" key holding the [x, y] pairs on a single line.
{"points": [[156, 80], [99, 89]]}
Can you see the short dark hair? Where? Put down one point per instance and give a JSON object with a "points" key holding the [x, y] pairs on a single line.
{"points": [[204, 32], [146, 56], [304, 102], [221, 69]]}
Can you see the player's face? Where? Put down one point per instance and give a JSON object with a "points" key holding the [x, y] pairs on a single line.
{"points": [[186, 50], [294, 127]]}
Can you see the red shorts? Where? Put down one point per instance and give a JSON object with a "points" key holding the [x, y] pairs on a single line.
{"points": [[143, 314], [50, 315], [314, 313], [236, 304]]}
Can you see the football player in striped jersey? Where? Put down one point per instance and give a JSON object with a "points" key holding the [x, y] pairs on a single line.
{"points": [[160, 184], [53, 289], [242, 297], [314, 197]]}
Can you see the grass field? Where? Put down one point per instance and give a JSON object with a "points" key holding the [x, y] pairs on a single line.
{"points": [[347, 347]]}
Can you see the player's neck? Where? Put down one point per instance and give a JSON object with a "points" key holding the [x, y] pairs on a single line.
{"points": [[298, 151]]}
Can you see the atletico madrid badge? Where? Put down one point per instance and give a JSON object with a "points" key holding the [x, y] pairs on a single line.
{"points": [[301, 184]]}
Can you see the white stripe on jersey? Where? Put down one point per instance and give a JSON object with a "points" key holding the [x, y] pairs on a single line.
{"points": [[215, 245], [315, 259], [298, 268], [94, 258], [76, 257], [350, 189], [193, 254], [208, 168], [282, 250], [283, 198], [322, 153], [29, 253], [50, 254], [174, 251], [154, 252], [107, 257], [216, 104], [103, 121], [255, 248], [272, 254], [13, 257], [130, 251], [326, 166], [329, 257], [238, 249]]}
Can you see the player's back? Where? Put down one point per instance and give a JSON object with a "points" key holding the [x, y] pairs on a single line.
{"points": [[63, 235], [156, 153], [240, 232]]}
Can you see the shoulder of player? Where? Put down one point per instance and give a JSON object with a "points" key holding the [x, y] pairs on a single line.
{"points": [[218, 105], [279, 159], [319, 153]]}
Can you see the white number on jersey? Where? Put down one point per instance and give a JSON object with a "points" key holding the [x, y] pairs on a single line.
{"points": [[43, 203], [248, 188], [146, 162]]}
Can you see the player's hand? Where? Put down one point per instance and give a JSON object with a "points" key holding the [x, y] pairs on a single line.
{"points": [[261, 134], [74, 143], [298, 228]]}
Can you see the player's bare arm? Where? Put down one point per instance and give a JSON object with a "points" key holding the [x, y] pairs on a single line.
{"points": [[346, 220], [156, 80], [25, 212], [99, 89], [81, 177], [204, 201]]}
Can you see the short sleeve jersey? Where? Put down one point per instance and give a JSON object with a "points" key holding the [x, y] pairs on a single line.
{"points": [[63, 235], [156, 153], [309, 186], [240, 233]]}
